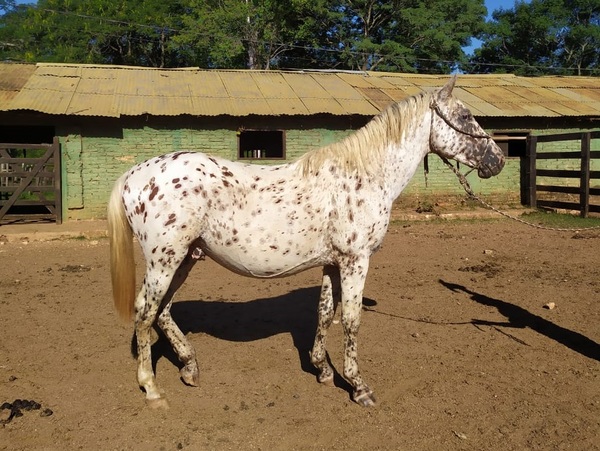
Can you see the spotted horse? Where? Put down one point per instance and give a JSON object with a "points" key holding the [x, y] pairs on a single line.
{"points": [[330, 208]]}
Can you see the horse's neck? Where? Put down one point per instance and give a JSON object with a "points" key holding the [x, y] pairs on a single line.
{"points": [[403, 158]]}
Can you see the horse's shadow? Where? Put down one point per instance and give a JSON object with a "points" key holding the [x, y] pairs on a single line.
{"points": [[518, 317], [243, 321]]}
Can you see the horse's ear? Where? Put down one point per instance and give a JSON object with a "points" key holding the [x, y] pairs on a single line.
{"points": [[446, 91]]}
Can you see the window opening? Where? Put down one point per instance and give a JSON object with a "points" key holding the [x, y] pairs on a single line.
{"points": [[513, 144], [261, 144]]}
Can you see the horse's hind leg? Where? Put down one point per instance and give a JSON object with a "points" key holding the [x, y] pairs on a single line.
{"points": [[327, 302], [156, 291], [146, 308], [184, 350]]}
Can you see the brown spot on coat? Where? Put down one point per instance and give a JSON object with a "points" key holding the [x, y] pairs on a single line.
{"points": [[171, 220], [153, 193]]}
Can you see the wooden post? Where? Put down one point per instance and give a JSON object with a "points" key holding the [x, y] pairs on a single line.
{"points": [[584, 182], [530, 176], [57, 180]]}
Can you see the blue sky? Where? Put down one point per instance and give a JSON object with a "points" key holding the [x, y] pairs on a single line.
{"points": [[491, 6]]}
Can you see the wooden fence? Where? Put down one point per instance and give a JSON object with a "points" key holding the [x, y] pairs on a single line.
{"points": [[30, 182], [563, 197]]}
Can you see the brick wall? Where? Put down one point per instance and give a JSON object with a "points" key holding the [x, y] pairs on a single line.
{"points": [[95, 154]]}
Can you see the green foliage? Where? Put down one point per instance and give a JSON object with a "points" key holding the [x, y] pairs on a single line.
{"points": [[98, 31], [559, 37], [426, 36], [407, 35]]}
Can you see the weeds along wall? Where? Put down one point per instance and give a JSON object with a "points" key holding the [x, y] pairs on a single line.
{"points": [[96, 152]]}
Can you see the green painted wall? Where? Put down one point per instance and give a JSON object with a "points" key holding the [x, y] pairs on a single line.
{"points": [[96, 151]]}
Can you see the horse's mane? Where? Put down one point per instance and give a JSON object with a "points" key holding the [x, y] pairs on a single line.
{"points": [[362, 151]]}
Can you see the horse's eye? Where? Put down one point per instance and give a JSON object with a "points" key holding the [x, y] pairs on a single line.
{"points": [[466, 116]]}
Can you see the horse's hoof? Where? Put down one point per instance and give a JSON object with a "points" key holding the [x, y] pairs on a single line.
{"points": [[364, 398], [326, 379], [189, 375], [157, 403]]}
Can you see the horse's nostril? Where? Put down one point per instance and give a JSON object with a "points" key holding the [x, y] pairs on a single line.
{"points": [[485, 172]]}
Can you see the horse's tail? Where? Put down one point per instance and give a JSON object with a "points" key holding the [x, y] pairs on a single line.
{"points": [[122, 263]]}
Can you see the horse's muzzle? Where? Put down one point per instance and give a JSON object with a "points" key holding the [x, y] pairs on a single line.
{"points": [[492, 161]]}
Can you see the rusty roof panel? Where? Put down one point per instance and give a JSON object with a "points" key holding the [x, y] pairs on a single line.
{"points": [[497, 94], [241, 85], [537, 94], [245, 107], [305, 86], [13, 77], [323, 106], [356, 79], [381, 83], [377, 97], [158, 106], [5, 98], [212, 106], [582, 108], [44, 101], [396, 94], [136, 83], [359, 106], [572, 94], [59, 70], [90, 104], [292, 106], [398, 82], [272, 85], [206, 84], [112, 91], [593, 94], [94, 86], [562, 109], [337, 87]]}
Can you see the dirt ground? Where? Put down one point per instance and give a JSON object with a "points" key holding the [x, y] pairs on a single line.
{"points": [[455, 341]]}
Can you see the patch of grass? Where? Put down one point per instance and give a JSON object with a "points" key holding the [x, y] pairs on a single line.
{"points": [[562, 220]]}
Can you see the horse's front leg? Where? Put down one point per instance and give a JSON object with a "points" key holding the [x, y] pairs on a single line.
{"points": [[353, 278], [330, 289]]}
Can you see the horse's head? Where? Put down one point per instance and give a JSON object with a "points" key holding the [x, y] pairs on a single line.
{"points": [[455, 134]]}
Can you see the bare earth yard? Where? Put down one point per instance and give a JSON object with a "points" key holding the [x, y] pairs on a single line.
{"points": [[455, 341]]}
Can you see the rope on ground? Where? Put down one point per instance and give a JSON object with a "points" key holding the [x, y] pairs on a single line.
{"points": [[465, 184]]}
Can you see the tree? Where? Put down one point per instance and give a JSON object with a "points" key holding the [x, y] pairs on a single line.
{"points": [[93, 31], [251, 33], [580, 39], [542, 37], [391, 35], [409, 35]]}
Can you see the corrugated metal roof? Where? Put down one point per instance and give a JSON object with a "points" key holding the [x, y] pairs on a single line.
{"points": [[114, 91], [12, 79]]}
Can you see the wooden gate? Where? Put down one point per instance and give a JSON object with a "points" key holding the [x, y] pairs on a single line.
{"points": [[30, 182], [564, 196]]}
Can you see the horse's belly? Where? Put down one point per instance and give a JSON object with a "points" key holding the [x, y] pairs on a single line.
{"points": [[263, 263]]}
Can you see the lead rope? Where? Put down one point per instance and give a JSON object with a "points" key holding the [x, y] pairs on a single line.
{"points": [[465, 184]]}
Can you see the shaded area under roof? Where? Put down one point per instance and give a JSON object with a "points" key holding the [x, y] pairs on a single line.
{"points": [[114, 91]]}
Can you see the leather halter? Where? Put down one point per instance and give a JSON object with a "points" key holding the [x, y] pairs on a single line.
{"points": [[436, 108]]}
